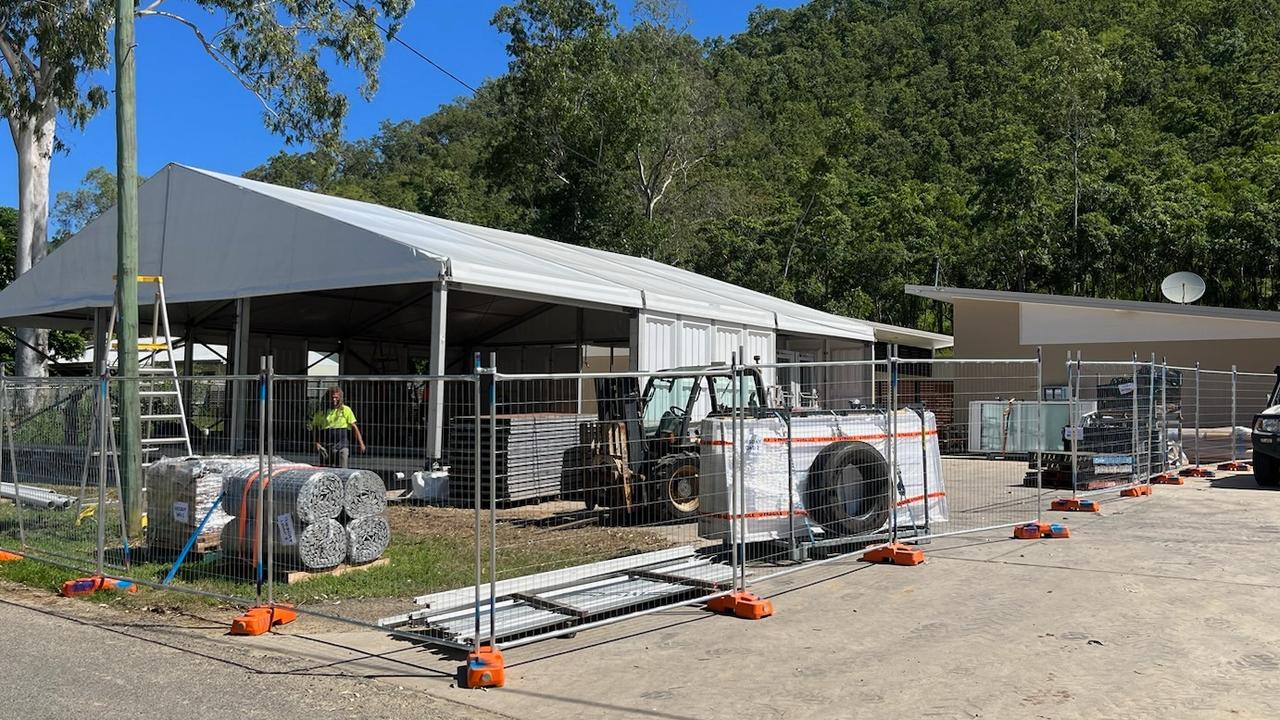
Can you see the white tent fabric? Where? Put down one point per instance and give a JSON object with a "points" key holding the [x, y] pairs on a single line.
{"points": [[218, 237]]}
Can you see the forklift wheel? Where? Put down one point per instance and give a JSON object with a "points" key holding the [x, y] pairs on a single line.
{"points": [[678, 475]]}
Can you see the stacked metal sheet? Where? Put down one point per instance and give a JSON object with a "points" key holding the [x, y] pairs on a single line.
{"points": [[529, 455]]}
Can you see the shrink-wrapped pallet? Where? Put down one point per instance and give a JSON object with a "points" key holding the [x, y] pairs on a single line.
{"points": [[180, 492]]}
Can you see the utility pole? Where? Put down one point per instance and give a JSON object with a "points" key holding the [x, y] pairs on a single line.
{"points": [[127, 267]]}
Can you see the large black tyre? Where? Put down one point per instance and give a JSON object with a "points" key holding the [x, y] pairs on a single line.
{"points": [[847, 489], [675, 480], [1266, 470]]}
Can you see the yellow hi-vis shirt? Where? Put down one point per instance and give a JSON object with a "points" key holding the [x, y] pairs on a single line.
{"points": [[339, 418]]}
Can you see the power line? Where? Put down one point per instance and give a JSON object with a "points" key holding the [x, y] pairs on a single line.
{"points": [[364, 12], [396, 38]]}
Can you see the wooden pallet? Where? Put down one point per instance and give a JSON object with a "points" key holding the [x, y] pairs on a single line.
{"points": [[204, 544], [297, 576]]}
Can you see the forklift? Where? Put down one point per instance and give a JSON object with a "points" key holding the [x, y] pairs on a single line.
{"points": [[641, 455]]}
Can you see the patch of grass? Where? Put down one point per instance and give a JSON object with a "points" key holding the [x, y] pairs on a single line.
{"points": [[431, 549]]}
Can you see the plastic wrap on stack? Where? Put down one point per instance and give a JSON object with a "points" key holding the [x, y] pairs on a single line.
{"points": [[367, 538], [180, 492], [365, 493], [318, 545], [308, 493]]}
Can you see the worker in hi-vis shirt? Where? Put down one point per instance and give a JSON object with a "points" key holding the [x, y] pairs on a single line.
{"points": [[333, 427]]}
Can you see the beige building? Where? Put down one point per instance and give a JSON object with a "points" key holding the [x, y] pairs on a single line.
{"points": [[994, 324]]}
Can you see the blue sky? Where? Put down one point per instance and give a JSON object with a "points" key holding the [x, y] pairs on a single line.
{"points": [[191, 111]]}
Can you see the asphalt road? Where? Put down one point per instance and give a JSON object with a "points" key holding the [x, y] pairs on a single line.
{"points": [[58, 661]]}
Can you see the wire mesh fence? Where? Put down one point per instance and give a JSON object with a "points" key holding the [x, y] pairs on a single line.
{"points": [[507, 508]]}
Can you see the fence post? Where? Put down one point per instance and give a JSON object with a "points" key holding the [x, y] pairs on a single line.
{"points": [[892, 444], [1134, 469], [1073, 410], [493, 499], [269, 522], [1233, 415], [477, 468], [104, 419], [1151, 419], [259, 530], [1197, 440], [1040, 431], [739, 475], [1164, 415]]}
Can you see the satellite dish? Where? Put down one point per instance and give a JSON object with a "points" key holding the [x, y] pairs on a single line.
{"points": [[1182, 287]]}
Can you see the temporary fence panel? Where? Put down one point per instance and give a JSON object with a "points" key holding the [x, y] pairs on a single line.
{"points": [[991, 479], [1112, 446], [561, 502], [52, 485], [1223, 434]]}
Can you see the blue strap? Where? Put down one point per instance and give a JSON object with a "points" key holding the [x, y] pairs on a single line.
{"points": [[192, 540]]}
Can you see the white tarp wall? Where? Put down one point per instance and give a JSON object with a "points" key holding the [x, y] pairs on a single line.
{"points": [[663, 342], [670, 341]]}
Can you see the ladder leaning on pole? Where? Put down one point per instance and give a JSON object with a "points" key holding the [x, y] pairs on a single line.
{"points": [[159, 389]]}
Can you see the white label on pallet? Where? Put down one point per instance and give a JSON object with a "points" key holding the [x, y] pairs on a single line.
{"points": [[285, 525], [181, 512], [1126, 388], [1073, 433]]}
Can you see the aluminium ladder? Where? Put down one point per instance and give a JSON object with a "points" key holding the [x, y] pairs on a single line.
{"points": [[159, 388]]}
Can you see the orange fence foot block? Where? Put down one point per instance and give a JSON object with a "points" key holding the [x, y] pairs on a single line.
{"points": [[1074, 505], [485, 668], [746, 605], [81, 587], [1200, 472], [895, 554], [258, 620], [1038, 530], [6, 556], [1167, 479], [1234, 466], [1138, 491]]}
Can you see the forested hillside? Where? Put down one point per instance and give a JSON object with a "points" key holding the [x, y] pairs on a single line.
{"points": [[832, 153]]}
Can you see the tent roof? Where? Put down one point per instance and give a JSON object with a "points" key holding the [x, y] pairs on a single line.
{"points": [[219, 237]]}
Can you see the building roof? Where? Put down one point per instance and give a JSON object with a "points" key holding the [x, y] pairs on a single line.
{"points": [[951, 294], [219, 237]]}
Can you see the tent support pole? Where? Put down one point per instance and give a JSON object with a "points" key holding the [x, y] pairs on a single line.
{"points": [[435, 410], [239, 366]]}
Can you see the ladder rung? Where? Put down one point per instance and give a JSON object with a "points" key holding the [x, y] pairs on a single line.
{"points": [[145, 345], [150, 278], [163, 441], [157, 393], [162, 417], [152, 370]]}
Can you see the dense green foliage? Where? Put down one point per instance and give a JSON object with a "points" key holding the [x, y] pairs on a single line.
{"points": [[831, 153]]}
